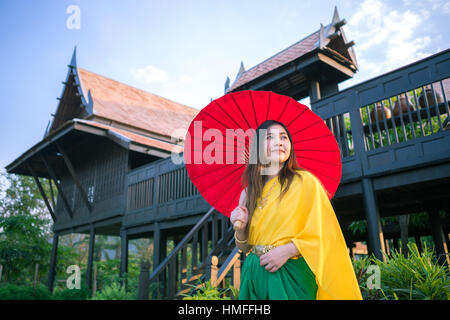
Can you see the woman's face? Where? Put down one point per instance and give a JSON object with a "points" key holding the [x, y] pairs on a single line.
{"points": [[277, 143]]}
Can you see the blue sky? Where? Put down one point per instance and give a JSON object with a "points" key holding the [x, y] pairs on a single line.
{"points": [[184, 50]]}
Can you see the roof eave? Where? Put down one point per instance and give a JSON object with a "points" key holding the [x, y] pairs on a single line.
{"points": [[75, 125]]}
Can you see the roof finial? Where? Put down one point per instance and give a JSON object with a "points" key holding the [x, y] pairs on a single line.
{"points": [[322, 37], [73, 61], [335, 16], [241, 69], [227, 84]]}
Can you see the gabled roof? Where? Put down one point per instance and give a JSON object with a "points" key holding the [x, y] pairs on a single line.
{"points": [[289, 54], [128, 137], [118, 102], [329, 39], [125, 138], [87, 95]]}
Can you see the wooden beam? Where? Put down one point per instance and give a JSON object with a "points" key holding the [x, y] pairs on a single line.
{"points": [[52, 272], [335, 65], [123, 254], [58, 186], [51, 193], [41, 190], [440, 244], [90, 256], [374, 229], [74, 176]]}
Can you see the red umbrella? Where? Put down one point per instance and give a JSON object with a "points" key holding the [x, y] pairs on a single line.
{"points": [[219, 136]]}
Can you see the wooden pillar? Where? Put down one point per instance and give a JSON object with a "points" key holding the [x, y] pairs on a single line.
{"points": [[439, 237], [328, 89], [395, 243], [90, 256], [419, 244], [51, 272], [156, 245], [314, 91], [374, 230], [144, 279], [123, 254]]}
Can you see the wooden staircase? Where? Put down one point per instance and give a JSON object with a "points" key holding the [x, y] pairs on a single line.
{"points": [[189, 262]]}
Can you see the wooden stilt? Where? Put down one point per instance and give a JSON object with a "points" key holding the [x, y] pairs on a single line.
{"points": [[374, 230], [90, 256], [51, 272]]}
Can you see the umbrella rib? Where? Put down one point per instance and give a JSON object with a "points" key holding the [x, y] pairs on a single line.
{"points": [[216, 170], [312, 159], [226, 112], [268, 106], [289, 100], [316, 171], [301, 113], [317, 150], [227, 144], [240, 110], [315, 138], [253, 107], [235, 180], [226, 127], [203, 126], [307, 127]]}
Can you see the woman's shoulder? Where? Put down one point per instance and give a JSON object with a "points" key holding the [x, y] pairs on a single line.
{"points": [[307, 176], [304, 173]]}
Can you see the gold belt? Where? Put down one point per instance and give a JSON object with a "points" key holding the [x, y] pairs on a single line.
{"points": [[259, 250]]}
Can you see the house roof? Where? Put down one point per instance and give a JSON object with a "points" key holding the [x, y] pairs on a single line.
{"points": [[330, 39], [133, 137], [291, 53], [134, 107]]}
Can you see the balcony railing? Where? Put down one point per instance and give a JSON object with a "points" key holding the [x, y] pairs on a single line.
{"points": [[396, 121]]}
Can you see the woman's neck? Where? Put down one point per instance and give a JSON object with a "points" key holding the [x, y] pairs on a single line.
{"points": [[271, 176]]}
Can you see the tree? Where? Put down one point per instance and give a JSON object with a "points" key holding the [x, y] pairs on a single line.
{"points": [[24, 228]]}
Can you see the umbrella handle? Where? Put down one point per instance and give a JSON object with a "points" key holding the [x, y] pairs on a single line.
{"points": [[237, 225]]}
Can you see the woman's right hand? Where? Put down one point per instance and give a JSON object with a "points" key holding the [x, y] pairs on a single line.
{"points": [[240, 213]]}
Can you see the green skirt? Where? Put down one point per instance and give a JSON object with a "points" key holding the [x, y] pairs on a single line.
{"points": [[293, 281]]}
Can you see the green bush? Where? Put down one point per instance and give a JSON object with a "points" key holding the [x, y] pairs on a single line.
{"points": [[415, 277], [113, 292], [21, 292], [83, 293], [209, 292], [361, 267]]}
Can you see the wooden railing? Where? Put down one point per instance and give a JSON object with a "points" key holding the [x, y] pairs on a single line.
{"points": [[232, 263], [158, 183], [190, 259], [396, 121], [371, 143]]}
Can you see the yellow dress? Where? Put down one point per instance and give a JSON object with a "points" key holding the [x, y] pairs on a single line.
{"points": [[306, 217]]}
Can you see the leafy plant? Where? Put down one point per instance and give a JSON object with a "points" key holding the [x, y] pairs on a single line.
{"points": [[83, 293], [21, 292], [416, 277], [113, 292], [206, 291], [361, 267]]}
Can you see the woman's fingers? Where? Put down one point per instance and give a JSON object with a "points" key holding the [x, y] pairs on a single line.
{"points": [[239, 214]]}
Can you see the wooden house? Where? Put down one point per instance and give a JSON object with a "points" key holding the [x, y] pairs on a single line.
{"points": [[108, 150]]}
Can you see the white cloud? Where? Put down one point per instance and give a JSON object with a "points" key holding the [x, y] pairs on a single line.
{"points": [[386, 38], [439, 5], [185, 78], [150, 74]]}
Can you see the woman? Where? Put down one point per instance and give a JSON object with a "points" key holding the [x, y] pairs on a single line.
{"points": [[287, 223]]}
